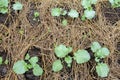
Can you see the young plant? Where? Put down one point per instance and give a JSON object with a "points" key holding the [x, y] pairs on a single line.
{"points": [[81, 56], [20, 67], [115, 3], [4, 6], [64, 22], [61, 51], [99, 52], [17, 6], [36, 15], [89, 13], [102, 69]]}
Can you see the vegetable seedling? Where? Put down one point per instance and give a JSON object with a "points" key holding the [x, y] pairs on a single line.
{"points": [[89, 13], [17, 6], [4, 6], [20, 67], [36, 15], [102, 69], [81, 56]]}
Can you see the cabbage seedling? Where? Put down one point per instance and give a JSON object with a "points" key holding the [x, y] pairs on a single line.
{"points": [[81, 56], [20, 67], [64, 22]]}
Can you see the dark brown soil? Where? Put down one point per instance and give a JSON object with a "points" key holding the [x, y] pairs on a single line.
{"points": [[112, 15], [118, 46], [3, 67]]}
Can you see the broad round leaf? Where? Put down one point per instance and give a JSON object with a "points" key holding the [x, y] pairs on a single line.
{"points": [[81, 56], [37, 70], [89, 14], [68, 59], [20, 67], [61, 51], [17, 6], [86, 3], [33, 60], [56, 11], [57, 66], [95, 46], [102, 70], [73, 13], [102, 52]]}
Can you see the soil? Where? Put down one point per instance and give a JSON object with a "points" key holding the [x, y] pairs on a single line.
{"points": [[112, 15], [40, 36], [3, 67]]}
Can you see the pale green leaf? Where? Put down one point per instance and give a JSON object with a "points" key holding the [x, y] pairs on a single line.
{"points": [[56, 11], [57, 66], [64, 22], [73, 13], [102, 70], [95, 46], [89, 14], [102, 52], [20, 67], [37, 70], [61, 51], [33, 60], [17, 6], [81, 56], [27, 56]]}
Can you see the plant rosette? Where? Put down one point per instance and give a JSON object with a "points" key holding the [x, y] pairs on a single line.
{"points": [[20, 67]]}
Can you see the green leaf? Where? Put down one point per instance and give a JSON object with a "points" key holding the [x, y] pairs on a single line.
{"points": [[102, 52], [33, 60], [81, 56], [95, 46], [64, 22], [37, 70], [56, 11], [57, 66], [17, 6], [1, 60], [20, 67], [68, 59], [27, 56], [102, 70], [4, 6], [6, 61], [115, 3], [86, 3], [64, 12], [61, 51], [73, 13], [89, 14], [36, 14]]}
